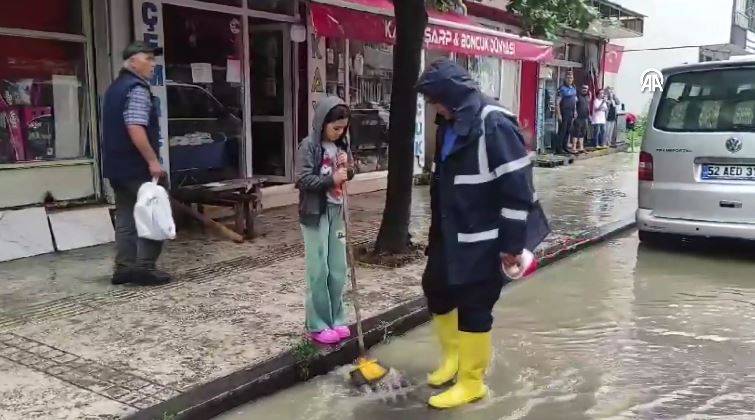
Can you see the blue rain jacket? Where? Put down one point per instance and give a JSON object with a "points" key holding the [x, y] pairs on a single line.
{"points": [[483, 198]]}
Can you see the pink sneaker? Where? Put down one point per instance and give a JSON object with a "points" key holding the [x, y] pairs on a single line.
{"points": [[326, 337], [343, 332]]}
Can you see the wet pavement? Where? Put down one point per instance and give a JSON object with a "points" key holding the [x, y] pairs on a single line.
{"points": [[616, 331], [72, 345]]}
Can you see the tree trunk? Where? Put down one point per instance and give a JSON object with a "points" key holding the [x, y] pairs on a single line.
{"points": [[411, 19]]}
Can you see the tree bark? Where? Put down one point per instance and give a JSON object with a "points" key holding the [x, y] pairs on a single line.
{"points": [[411, 20]]}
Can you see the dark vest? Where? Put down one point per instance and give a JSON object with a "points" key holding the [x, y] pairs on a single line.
{"points": [[121, 160]]}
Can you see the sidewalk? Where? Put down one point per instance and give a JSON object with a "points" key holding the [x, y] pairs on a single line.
{"points": [[74, 346]]}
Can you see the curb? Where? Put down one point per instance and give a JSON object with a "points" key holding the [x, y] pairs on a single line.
{"points": [[285, 370], [554, 161]]}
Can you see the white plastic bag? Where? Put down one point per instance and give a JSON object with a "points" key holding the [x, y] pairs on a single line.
{"points": [[152, 213]]}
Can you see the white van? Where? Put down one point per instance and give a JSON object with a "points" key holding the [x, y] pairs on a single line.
{"points": [[697, 164]]}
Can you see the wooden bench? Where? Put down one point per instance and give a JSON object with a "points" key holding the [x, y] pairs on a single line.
{"points": [[243, 196]]}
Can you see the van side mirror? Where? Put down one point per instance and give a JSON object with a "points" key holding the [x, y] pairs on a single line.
{"points": [[623, 107]]}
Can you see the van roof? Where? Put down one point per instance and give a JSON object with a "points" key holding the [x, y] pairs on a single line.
{"points": [[740, 61]]}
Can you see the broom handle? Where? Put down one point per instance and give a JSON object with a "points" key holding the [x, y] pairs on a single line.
{"points": [[354, 288]]}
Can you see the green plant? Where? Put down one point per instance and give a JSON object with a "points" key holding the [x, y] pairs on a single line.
{"points": [[445, 5], [635, 136], [304, 351], [545, 17]]}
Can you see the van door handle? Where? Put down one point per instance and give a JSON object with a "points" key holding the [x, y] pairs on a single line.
{"points": [[731, 204]]}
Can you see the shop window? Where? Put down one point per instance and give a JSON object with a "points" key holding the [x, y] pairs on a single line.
{"points": [[268, 154], [270, 87], [43, 100], [267, 73], [204, 86], [576, 53], [283, 7], [190, 101], [335, 67], [432, 56], [559, 51], [486, 71], [62, 16], [370, 84]]}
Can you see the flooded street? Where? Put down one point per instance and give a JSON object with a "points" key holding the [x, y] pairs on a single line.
{"points": [[617, 331]]}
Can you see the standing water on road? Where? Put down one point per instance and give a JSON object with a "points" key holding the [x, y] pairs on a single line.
{"points": [[617, 331]]}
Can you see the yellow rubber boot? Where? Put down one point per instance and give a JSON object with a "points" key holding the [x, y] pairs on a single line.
{"points": [[447, 329], [475, 351]]}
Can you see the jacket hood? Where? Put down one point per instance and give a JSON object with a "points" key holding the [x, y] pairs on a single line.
{"points": [[321, 111], [449, 84]]}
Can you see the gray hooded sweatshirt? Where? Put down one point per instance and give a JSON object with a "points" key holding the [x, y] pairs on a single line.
{"points": [[313, 186]]}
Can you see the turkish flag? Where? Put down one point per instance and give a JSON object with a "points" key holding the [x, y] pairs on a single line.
{"points": [[613, 56]]}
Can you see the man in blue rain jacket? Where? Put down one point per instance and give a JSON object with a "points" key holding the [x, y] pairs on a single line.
{"points": [[484, 214]]}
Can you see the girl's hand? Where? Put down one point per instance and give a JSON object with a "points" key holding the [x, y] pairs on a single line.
{"points": [[343, 159], [340, 176]]}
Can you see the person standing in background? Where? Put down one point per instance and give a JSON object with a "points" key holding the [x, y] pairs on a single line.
{"points": [[130, 150], [579, 128], [566, 112], [611, 117], [599, 111]]}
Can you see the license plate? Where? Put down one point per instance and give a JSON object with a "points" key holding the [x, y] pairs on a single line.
{"points": [[736, 172]]}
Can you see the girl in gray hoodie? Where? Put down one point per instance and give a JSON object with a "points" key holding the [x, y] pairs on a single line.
{"points": [[323, 166]]}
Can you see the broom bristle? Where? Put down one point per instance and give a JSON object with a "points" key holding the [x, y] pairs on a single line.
{"points": [[367, 371]]}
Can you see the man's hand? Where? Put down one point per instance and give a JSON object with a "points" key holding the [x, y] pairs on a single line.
{"points": [[343, 159], [155, 170], [340, 176], [509, 261]]}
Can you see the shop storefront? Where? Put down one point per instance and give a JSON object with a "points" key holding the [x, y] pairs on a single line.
{"points": [[362, 31], [236, 84], [227, 85], [581, 56], [46, 103]]}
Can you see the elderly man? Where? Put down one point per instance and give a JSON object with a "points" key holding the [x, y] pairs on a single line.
{"points": [[130, 144], [485, 213]]}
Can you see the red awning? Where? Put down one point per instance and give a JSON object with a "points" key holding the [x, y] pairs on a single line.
{"points": [[372, 21]]}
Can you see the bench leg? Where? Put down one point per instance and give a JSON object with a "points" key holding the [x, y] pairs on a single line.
{"points": [[249, 215], [238, 209], [200, 210]]}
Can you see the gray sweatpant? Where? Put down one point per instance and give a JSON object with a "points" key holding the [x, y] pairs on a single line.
{"points": [[132, 252]]}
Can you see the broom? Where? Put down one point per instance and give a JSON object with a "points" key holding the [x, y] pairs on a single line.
{"points": [[368, 371]]}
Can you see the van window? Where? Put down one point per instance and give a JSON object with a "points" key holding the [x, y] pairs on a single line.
{"points": [[713, 100]]}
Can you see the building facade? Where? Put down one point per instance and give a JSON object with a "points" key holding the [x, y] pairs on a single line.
{"points": [[679, 32], [236, 84]]}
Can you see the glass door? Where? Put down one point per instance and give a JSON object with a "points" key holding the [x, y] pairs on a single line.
{"points": [[205, 95], [272, 130]]}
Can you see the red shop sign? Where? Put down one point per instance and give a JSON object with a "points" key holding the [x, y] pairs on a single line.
{"points": [[337, 22]]}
